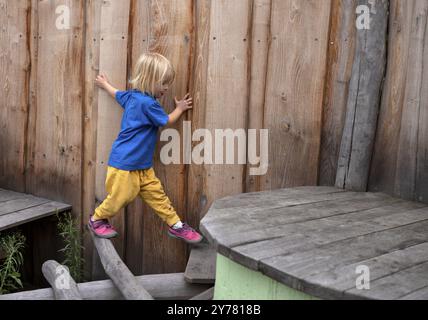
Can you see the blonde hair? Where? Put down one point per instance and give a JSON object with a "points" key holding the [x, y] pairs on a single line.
{"points": [[151, 69]]}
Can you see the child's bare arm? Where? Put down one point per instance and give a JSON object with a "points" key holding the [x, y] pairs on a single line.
{"points": [[180, 107], [103, 83]]}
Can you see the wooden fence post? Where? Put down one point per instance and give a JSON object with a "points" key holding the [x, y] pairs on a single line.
{"points": [[363, 99]]}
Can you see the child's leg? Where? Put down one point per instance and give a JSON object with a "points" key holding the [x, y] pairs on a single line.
{"points": [[153, 194], [122, 187]]}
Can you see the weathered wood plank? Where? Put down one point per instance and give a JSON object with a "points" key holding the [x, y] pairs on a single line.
{"points": [[363, 101], [138, 43], [119, 272], [383, 168], [30, 214], [170, 30], [260, 28], [396, 285], [201, 265], [340, 57], [113, 33], [311, 234], [420, 294], [55, 132], [29, 201], [14, 91], [90, 110], [228, 73], [169, 286], [412, 125], [409, 145], [63, 285], [197, 204], [220, 221], [294, 90], [344, 277], [352, 250], [7, 195]]}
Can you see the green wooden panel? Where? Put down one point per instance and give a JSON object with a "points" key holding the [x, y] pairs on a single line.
{"points": [[234, 281]]}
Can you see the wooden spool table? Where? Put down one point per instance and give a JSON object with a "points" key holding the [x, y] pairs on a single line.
{"points": [[318, 242]]}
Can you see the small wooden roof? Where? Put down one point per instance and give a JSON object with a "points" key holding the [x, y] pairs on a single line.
{"points": [[316, 239], [19, 208]]}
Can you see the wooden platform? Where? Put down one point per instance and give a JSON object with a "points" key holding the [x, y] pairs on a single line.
{"points": [[312, 239], [19, 208]]}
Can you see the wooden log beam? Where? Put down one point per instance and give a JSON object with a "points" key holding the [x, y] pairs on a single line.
{"points": [[168, 286], [119, 272], [63, 285], [363, 100]]}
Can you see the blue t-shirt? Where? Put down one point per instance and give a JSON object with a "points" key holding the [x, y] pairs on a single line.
{"points": [[135, 144]]}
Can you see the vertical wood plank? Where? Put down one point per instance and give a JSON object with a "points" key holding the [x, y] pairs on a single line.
{"points": [[14, 90], [383, 167], [339, 66], [196, 193], [421, 189], [138, 43], [92, 54], [227, 91], [412, 125], [259, 58], [114, 25], [294, 91], [54, 168], [171, 25], [363, 102]]}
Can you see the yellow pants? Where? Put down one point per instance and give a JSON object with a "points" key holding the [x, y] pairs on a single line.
{"points": [[124, 186]]}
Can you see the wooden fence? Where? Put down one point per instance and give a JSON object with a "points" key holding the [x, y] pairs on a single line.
{"points": [[290, 66]]}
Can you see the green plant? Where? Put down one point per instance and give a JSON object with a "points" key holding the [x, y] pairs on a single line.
{"points": [[70, 232], [12, 246]]}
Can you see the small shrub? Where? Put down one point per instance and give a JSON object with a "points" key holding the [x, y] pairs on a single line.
{"points": [[12, 246], [70, 232]]}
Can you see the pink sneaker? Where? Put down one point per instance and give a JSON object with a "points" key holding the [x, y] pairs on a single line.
{"points": [[102, 228], [185, 233]]}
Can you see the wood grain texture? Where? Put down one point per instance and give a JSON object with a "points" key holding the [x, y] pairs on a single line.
{"points": [[118, 272], [383, 169], [293, 110], [55, 164], [138, 42], [340, 58], [113, 54], [400, 159], [201, 265], [89, 143], [196, 177], [14, 91], [170, 32], [258, 55], [363, 101], [167, 286], [311, 242], [228, 73], [413, 126]]}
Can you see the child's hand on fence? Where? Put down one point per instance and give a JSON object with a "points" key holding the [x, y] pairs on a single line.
{"points": [[101, 80], [185, 103]]}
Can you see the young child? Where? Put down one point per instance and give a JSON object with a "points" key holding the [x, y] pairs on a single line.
{"points": [[130, 167]]}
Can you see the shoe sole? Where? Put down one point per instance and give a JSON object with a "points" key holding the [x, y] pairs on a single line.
{"points": [[188, 241], [101, 236]]}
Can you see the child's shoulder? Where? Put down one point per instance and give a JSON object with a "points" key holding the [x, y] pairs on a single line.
{"points": [[141, 97]]}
